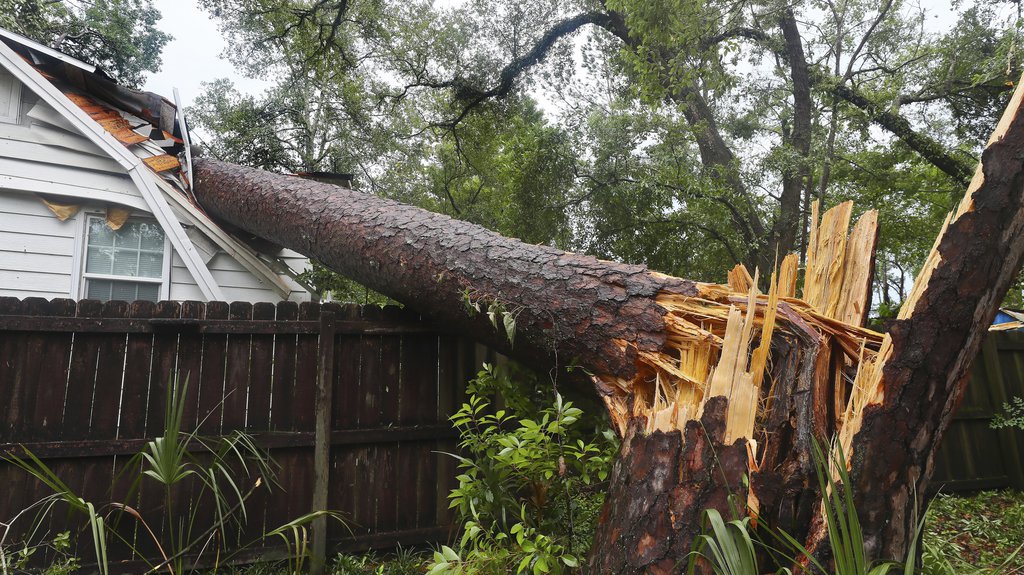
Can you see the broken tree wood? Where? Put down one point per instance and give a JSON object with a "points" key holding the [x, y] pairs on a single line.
{"points": [[651, 341], [919, 378], [715, 389]]}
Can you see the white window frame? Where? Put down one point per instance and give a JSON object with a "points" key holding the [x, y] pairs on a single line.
{"points": [[81, 276]]}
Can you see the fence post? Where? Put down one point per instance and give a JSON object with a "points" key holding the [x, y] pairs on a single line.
{"points": [[322, 440]]}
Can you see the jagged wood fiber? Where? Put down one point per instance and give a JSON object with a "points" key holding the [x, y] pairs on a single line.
{"points": [[653, 344]]}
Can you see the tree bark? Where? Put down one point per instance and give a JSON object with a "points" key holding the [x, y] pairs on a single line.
{"points": [[661, 483], [954, 164], [566, 306], [794, 178], [935, 340], [605, 316], [577, 309]]}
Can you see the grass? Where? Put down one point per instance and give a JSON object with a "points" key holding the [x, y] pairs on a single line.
{"points": [[974, 533], [979, 531]]}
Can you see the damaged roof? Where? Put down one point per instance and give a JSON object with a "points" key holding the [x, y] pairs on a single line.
{"points": [[152, 131]]}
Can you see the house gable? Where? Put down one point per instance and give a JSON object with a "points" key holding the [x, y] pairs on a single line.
{"points": [[56, 147]]}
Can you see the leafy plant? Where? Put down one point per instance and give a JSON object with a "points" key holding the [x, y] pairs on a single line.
{"points": [[521, 483], [728, 548], [63, 562], [501, 317], [844, 531], [1013, 415], [404, 561], [173, 462]]}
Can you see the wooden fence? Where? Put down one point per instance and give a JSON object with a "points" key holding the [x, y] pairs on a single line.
{"points": [[973, 455], [84, 385]]}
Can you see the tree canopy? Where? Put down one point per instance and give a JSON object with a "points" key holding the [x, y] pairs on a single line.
{"points": [[119, 36], [685, 134]]}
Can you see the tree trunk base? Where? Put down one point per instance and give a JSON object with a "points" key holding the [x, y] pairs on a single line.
{"points": [[661, 483]]}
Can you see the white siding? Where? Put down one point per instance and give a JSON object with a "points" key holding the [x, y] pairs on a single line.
{"points": [[183, 287], [36, 249], [10, 97], [237, 283], [41, 154]]}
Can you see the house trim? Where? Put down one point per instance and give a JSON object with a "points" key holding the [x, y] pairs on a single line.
{"points": [[140, 174], [19, 184], [46, 50], [13, 111]]}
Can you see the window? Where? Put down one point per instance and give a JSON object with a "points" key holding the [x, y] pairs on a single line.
{"points": [[127, 264]]}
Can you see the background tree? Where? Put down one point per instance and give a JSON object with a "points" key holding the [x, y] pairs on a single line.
{"points": [[119, 36], [690, 135]]}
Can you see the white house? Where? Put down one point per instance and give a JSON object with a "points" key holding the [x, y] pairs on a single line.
{"points": [[95, 197]]}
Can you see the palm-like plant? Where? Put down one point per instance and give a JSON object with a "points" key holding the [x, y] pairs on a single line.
{"points": [[210, 465]]}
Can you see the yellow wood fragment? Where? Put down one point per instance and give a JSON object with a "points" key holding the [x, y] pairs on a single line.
{"points": [[788, 275], [858, 267], [825, 263], [62, 211], [739, 279]]}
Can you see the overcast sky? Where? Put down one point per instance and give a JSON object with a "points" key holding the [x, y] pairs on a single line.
{"points": [[194, 56]]}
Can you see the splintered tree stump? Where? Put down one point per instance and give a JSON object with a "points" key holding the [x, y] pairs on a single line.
{"points": [[661, 483], [662, 352], [936, 337]]}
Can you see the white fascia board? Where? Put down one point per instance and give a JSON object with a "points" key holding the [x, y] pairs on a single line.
{"points": [[18, 38], [75, 194], [139, 172]]}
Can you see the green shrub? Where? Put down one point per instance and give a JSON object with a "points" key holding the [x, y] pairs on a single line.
{"points": [[1013, 415], [527, 495]]}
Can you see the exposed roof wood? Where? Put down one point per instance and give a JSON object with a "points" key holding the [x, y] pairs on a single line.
{"points": [[143, 178]]}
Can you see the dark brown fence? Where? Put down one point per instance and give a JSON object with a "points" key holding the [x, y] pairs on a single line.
{"points": [[973, 455], [83, 386]]}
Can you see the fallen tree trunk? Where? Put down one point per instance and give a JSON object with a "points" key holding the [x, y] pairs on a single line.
{"points": [[650, 341], [683, 367], [573, 305]]}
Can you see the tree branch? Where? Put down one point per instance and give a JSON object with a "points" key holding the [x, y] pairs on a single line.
{"points": [[957, 166]]}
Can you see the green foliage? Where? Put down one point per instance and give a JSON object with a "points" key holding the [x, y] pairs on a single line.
{"points": [[1013, 415], [501, 317], [660, 135], [976, 534], [328, 283], [228, 472], [525, 495], [403, 562], [844, 531], [728, 548], [119, 36], [63, 563], [242, 129]]}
